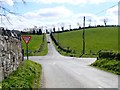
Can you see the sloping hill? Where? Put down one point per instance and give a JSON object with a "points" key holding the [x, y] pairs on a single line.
{"points": [[104, 38]]}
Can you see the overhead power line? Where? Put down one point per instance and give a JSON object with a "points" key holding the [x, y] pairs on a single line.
{"points": [[106, 9]]}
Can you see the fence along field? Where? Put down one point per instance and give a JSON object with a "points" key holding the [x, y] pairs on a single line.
{"points": [[102, 38]]}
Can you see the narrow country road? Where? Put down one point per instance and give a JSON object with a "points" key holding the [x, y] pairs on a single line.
{"points": [[70, 72]]}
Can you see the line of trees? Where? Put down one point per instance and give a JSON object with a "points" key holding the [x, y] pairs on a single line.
{"points": [[34, 32], [38, 32]]}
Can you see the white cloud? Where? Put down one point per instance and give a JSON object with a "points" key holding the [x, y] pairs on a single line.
{"points": [[56, 12], [48, 15], [112, 15], [113, 11], [9, 2], [16, 22], [38, 18], [61, 14], [12, 2]]}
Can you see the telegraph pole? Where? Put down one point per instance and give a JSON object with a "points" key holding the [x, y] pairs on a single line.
{"points": [[84, 36]]}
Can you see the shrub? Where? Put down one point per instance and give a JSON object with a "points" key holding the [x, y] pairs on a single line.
{"points": [[108, 65], [109, 55]]}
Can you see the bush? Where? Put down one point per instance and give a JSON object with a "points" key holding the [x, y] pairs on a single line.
{"points": [[108, 65], [109, 55], [109, 61]]}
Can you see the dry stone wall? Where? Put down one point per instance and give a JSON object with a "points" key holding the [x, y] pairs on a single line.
{"points": [[10, 52]]}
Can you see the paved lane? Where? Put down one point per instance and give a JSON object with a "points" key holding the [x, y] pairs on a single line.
{"points": [[70, 72]]}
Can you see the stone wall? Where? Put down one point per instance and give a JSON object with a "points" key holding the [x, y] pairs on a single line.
{"points": [[10, 52]]}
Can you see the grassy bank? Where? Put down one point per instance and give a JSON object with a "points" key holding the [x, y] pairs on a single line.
{"points": [[104, 38], [108, 65], [27, 76], [108, 61], [34, 46]]}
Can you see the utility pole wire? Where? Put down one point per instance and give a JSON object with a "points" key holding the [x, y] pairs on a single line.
{"points": [[5, 15], [106, 9], [7, 18], [6, 10]]}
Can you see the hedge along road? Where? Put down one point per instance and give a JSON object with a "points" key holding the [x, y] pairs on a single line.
{"points": [[70, 72]]}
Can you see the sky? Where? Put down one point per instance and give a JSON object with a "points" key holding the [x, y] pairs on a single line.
{"points": [[56, 13]]}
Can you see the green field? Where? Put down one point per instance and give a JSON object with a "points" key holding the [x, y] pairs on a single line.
{"points": [[34, 45], [104, 38]]}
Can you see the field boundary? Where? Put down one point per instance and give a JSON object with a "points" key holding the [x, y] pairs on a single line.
{"points": [[71, 45], [42, 45], [69, 51]]}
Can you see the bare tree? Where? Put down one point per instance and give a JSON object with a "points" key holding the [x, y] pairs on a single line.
{"points": [[105, 21], [53, 29], [62, 26], [79, 25]]}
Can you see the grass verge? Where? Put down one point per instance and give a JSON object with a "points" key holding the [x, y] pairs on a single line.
{"points": [[108, 65], [44, 50], [27, 76]]}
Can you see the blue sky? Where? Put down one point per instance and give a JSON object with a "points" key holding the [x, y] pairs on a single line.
{"points": [[85, 8], [55, 12]]}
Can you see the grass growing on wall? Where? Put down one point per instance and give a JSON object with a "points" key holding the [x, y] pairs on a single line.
{"points": [[27, 76]]}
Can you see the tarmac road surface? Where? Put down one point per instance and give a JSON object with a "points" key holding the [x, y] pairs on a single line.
{"points": [[70, 72]]}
